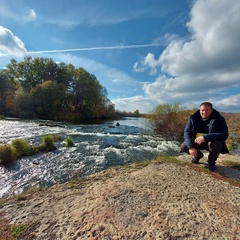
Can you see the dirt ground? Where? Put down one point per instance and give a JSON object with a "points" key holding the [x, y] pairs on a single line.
{"points": [[156, 200]]}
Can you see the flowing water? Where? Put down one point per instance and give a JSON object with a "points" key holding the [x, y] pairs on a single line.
{"points": [[97, 147]]}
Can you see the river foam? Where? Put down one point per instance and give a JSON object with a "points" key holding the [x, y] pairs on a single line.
{"points": [[97, 147]]}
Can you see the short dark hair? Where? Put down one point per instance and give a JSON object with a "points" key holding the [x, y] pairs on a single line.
{"points": [[206, 104]]}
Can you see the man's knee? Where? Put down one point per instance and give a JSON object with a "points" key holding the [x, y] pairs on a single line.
{"points": [[215, 146], [183, 148]]}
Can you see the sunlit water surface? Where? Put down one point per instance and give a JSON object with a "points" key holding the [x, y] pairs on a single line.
{"points": [[97, 147]]}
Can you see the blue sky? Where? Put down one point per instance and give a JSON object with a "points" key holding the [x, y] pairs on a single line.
{"points": [[144, 52]]}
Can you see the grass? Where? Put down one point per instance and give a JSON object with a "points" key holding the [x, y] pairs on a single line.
{"points": [[47, 143], [232, 142], [231, 164], [17, 231], [21, 147], [24, 231], [68, 142], [22, 197], [77, 182], [5, 230], [29, 192], [7, 154]]}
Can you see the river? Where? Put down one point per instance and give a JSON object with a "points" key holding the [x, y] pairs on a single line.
{"points": [[97, 147]]}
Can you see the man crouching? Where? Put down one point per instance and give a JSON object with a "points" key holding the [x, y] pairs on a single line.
{"points": [[206, 130]]}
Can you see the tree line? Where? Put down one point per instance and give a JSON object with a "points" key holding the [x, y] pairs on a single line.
{"points": [[42, 88]]}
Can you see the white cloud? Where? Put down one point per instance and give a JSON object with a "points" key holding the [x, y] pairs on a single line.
{"points": [[10, 44], [115, 81], [148, 62], [215, 40], [94, 13], [18, 12], [141, 103], [32, 14], [228, 104], [203, 67], [207, 65]]}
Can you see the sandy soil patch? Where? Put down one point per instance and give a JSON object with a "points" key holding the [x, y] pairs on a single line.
{"points": [[162, 200]]}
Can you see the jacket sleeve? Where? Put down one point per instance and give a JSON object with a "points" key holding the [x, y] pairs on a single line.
{"points": [[189, 134], [218, 132]]}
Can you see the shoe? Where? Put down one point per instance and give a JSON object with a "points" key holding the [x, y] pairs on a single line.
{"points": [[195, 160], [212, 167]]}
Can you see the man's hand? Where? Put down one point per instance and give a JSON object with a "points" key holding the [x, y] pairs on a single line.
{"points": [[193, 152], [199, 140]]}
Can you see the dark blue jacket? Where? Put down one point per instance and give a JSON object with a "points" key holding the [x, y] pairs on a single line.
{"points": [[218, 130]]}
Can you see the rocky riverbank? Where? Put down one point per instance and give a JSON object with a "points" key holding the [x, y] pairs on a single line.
{"points": [[153, 200]]}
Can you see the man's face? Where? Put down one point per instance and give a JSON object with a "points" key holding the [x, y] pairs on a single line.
{"points": [[205, 111]]}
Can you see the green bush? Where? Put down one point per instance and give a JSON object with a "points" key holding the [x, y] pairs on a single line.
{"points": [[69, 142], [47, 143], [18, 148], [7, 154], [23, 147]]}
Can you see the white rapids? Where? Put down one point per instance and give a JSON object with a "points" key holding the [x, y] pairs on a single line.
{"points": [[97, 146]]}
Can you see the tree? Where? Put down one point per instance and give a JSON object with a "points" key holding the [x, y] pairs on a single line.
{"points": [[86, 96], [3, 93], [7, 91], [136, 113], [22, 104], [44, 88], [26, 74], [46, 99]]}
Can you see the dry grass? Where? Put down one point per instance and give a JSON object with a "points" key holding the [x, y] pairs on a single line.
{"points": [[13, 231], [5, 230], [231, 164], [233, 120]]}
